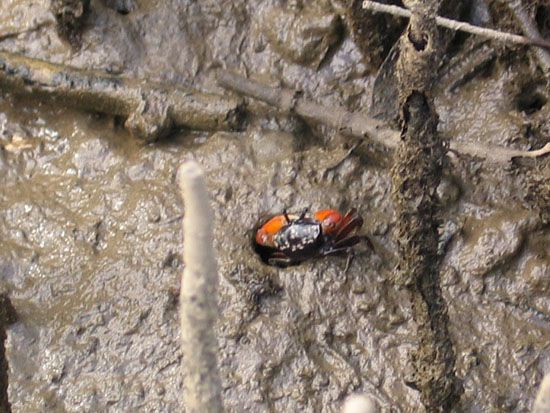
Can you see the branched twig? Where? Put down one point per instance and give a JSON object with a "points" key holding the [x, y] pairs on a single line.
{"points": [[357, 124], [530, 29], [462, 26], [198, 300], [292, 101]]}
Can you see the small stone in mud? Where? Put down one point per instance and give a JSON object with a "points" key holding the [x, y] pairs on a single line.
{"points": [[70, 16], [301, 36]]}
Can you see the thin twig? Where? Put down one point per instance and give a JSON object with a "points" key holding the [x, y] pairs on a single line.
{"points": [[530, 29], [542, 402], [357, 124], [198, 300], [38, 26], [462, 26]]}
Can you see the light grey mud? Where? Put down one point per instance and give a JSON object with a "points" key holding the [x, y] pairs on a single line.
{"points": [[90, 234]]}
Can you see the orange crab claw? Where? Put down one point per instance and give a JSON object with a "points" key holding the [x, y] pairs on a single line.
{"points": [[330, 220]]}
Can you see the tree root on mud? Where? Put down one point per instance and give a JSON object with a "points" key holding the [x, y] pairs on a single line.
{"points": [[416, 174], [357, 124], [151, 110]]}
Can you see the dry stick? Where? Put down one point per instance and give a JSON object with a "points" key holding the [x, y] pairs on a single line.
{"points": [[291, 101], [357, 124], [456, 25], [151, 110], [198, 299]]}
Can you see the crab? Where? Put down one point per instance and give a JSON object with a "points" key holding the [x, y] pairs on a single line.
{"points": [[288, 239]]}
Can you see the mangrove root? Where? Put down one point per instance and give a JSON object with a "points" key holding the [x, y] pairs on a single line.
{"points": [[416, 174], [198, 300]]}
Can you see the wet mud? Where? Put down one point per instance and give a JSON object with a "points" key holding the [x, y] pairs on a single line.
{"points": [[90, 234]]}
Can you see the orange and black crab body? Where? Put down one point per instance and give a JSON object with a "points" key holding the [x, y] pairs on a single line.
{"points": [[292, 239]]}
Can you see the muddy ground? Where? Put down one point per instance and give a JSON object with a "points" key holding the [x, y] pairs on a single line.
{"points": [[90, 247]]}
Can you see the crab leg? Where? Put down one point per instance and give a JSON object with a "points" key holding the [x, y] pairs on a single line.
{"points": [[352, 221], [346, 244], [278, 259], [350, 241]]}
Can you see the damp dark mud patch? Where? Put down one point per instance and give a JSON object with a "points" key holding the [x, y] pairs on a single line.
{"points": [[123, 7], [532, 97], [7, 317], [70, 16]]}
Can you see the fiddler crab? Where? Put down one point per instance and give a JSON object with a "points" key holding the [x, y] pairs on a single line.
{"points": [[287, 239]]}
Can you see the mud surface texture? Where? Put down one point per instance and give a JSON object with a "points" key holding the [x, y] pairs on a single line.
{"points": [[70, 16], [90, 221]]}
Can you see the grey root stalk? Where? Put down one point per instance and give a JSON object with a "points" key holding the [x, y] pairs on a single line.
{"points": [[542, 402], [198, 296]]}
